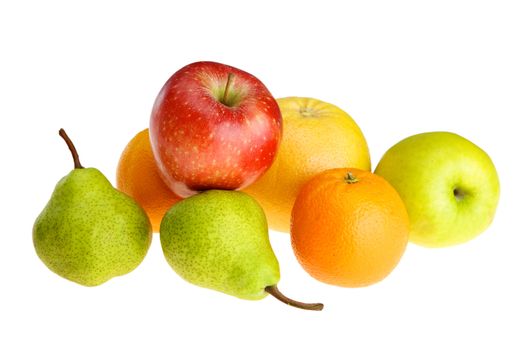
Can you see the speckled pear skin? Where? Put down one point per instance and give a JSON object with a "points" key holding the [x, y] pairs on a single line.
{"points": [[90, 232], [219, 240]]}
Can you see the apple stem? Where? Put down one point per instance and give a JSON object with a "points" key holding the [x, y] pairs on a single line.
{"points": [[350, 178], [281, 297], [227, 88], [72, 149]]}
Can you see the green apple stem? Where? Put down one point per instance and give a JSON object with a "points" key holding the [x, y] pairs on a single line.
{"points": [[350, 178], [72, 148], [224, 98], [281, 297]]}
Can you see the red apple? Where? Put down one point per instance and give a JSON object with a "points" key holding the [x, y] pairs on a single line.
{"points": [[213, 126]]}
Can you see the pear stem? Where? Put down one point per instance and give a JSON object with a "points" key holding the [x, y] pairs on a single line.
{"points": [[281, 297], [227, 88], [72, 148]]}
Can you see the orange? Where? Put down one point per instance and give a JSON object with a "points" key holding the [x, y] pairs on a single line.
{"points": [[138, 177], [349, 227], [316, 136]]}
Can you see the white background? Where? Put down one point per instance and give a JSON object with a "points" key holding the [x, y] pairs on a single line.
{"points": [[398, 67]]}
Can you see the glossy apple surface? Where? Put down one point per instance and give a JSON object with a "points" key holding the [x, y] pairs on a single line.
{"points": [[449, 185], [213, 126]]}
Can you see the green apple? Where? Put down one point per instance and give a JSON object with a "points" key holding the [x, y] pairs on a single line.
{"points": [[449, 185]]}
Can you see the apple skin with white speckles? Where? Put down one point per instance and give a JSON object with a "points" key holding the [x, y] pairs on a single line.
{"points": [[213, 126]]}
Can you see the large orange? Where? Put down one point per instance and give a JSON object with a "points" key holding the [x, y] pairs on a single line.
{"points": [[349, 227], [316, 136], [138, 176]]}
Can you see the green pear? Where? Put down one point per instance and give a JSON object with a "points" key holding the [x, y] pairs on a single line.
{"points": [[219, 240], [90, 232], [449, 185]]}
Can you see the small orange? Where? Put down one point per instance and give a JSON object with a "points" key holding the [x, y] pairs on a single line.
{"points": [[138, 177], [349, 227]]}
